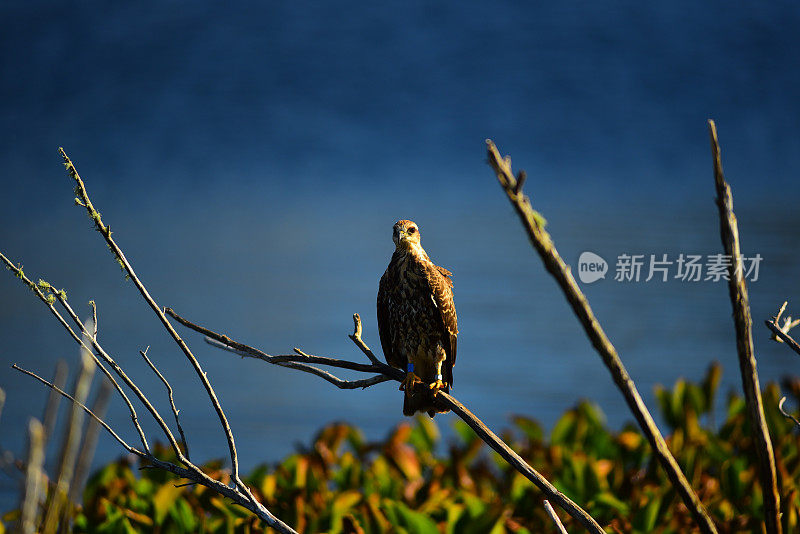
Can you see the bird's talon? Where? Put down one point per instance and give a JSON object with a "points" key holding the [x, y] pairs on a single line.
{"points": [[436, 386], [409, 381]]}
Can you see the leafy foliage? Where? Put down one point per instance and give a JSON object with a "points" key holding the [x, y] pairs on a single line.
{"points": [[411, 483]]}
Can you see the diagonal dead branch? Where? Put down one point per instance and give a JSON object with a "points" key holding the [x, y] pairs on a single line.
{"points": [[737, 289], [517, 462], [387, 373], [534, 224]]}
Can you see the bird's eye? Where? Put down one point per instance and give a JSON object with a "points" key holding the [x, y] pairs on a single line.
{"points": [[412, 230]]}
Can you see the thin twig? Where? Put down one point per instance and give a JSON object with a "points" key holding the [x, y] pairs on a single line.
{"points": [[788, 323], [99, 351], [175, 410], [336, 381], [554, 517], [226, 343], [85, 409], [786, 414], [534, 224], [54, 399], [737, 288], [355, 337]]}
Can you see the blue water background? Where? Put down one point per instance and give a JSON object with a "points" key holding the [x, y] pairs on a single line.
{"points": [[251, 160]]}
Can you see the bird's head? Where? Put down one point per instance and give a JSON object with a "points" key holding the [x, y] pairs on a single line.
{"points": [[405, 235]]}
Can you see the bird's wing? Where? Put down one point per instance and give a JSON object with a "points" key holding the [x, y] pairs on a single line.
{"points": [[383, 320], [442, 291]]}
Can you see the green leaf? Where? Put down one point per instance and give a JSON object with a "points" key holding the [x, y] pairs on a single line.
{"points": [[646, 518], [609, 500], [183, 516], [711, 384], [163, 500], [563, 428], [463, 430], [414, 522], [530, 427]]}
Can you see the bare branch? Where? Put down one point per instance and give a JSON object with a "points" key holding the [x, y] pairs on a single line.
{"points": [[338, 382], [49, 300], [85, 409], [54, 399], [90, 342], [226, 343], [175, 410], [82, 198], [737, 289], [554, 517], [534, 224], [356, 338], [19, 273], [386, 373]]}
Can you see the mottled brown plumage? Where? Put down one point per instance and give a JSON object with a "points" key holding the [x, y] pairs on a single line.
{"points": [[417, 320]]}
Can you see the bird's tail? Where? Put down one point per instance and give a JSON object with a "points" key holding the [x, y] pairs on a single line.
{"points": [[421, 398]]}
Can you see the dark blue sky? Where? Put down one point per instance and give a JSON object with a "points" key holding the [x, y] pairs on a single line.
{"points": [[375, 96]]}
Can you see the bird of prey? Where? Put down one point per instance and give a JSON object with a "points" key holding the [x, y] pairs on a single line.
{"points": [[417, 321]]}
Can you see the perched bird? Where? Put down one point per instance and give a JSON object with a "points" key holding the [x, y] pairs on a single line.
{"points": [[417, 321]]}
